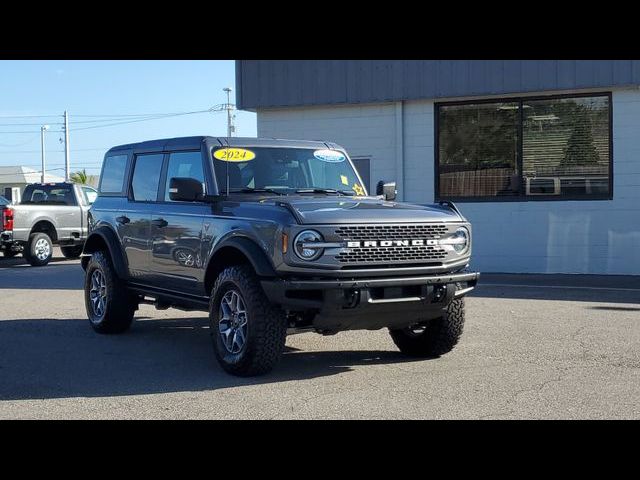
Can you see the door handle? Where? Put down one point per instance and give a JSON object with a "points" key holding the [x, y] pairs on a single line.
{"points": [[123, 219], [159, 222]]}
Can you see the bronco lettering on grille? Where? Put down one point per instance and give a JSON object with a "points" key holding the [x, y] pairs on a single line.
{"points": [[390, 243]]}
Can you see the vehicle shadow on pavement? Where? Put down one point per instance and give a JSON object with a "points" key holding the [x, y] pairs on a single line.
{"points": [[21, 262], [55, 276], [49, 358]]}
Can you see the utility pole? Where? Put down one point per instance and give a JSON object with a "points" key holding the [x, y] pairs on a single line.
{"points": [[67, 173], [231, 128], [42, 130]]}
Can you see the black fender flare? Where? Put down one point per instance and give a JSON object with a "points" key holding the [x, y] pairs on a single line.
{"points": [[110, 239], [251, 250]]}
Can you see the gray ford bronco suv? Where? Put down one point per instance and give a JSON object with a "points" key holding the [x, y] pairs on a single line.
{"points": [[271, 237]]}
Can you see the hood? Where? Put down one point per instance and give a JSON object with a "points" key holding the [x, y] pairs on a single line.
{"points": [[343, 210]]}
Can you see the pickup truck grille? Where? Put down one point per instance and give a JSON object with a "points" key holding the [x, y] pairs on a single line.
{"points": [[390, 232], [392, 254]]}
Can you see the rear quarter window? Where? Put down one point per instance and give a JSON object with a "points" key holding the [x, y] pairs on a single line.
{"points": [[113, 170], [49, 195]]}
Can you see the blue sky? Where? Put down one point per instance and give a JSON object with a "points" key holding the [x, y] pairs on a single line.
{"points": [[34, 87]]}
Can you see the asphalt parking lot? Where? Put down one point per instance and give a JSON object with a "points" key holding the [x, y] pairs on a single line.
{"points": [[530, 350]]}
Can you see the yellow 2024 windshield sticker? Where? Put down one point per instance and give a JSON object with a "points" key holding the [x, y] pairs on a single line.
{"points": [[234, 155]]}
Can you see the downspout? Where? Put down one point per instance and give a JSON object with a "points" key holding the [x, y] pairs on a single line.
{"points": [[400, 150]]}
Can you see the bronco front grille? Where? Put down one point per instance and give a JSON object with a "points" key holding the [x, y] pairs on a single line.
{"points": [[391, 254], [391, 232]]}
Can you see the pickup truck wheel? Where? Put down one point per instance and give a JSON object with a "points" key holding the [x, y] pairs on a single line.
{"points": [[39, 249], [248, 333], [434, 338], [71, 252], [110, 306]]}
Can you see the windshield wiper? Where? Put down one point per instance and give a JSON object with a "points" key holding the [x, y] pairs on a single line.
{"points": [[256, 190], [319, 190]]}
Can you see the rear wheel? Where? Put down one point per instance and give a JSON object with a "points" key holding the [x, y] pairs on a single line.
{"points": [[110, 306], [72, 252], [39, 249], [248, 333], [435, 337]]}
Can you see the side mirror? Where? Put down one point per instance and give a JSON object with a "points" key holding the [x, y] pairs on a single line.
{"points": [[185, 189], [387, 190]]}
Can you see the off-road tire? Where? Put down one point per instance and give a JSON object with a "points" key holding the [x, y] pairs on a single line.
{"points": [[439, 336], [120, 304], [72, 252], [266, 324], [31, 255]]}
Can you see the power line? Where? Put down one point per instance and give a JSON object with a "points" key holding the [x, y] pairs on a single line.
{"points": [[143, 120], [29, 116], [25, 124], [35, 171], [56, 151]]}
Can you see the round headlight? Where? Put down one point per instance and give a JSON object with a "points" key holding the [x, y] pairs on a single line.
{"points": [[303, 249], [460, 240]]}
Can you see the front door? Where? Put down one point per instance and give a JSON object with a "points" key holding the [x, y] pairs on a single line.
{"points": [[177, 255]]}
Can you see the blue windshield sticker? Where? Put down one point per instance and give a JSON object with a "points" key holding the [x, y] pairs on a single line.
{"points": [[330, 156]]}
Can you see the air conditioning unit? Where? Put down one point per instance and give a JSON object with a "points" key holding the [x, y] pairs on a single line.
{"points": [[543, 186], [584, 185]]}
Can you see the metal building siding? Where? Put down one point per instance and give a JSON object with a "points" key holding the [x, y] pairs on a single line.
{"points": [[282, 83], [594, 237]]}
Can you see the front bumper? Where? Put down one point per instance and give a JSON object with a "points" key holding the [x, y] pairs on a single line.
{"points": [[370, 303]]}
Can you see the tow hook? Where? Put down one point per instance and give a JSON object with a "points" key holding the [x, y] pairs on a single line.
{"points": [[439, 293], [352, 297]]}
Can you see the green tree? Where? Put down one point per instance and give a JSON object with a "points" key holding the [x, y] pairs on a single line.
{"points": [[80, 177], [581, 149]]}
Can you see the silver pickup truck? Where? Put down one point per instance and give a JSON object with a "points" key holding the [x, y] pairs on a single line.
{"points": [[52, 213]]}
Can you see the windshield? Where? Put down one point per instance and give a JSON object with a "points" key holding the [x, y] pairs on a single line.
{"points": [[285, 170], [3, 201]]}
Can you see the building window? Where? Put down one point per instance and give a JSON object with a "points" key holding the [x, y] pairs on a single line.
{"points": [[527, 148]]}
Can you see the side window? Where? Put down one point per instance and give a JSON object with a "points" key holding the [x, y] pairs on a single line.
{"points": [[186, 165], [90, 195], [113, 174], [146, 177]]}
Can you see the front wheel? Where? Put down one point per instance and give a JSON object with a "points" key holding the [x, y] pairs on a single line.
{"points": [[39, 249], [435, 337], [110, 306], [248, 333]]}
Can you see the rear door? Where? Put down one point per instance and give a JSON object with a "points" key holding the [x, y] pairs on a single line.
{"points": [[134, 219], [177, 229]]}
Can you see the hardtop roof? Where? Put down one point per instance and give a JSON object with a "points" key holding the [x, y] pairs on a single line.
{"points": [[196, 142]]}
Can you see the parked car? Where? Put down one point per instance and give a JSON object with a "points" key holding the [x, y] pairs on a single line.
{"points": [[52, 213], [3, 205], [270, 237]]}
